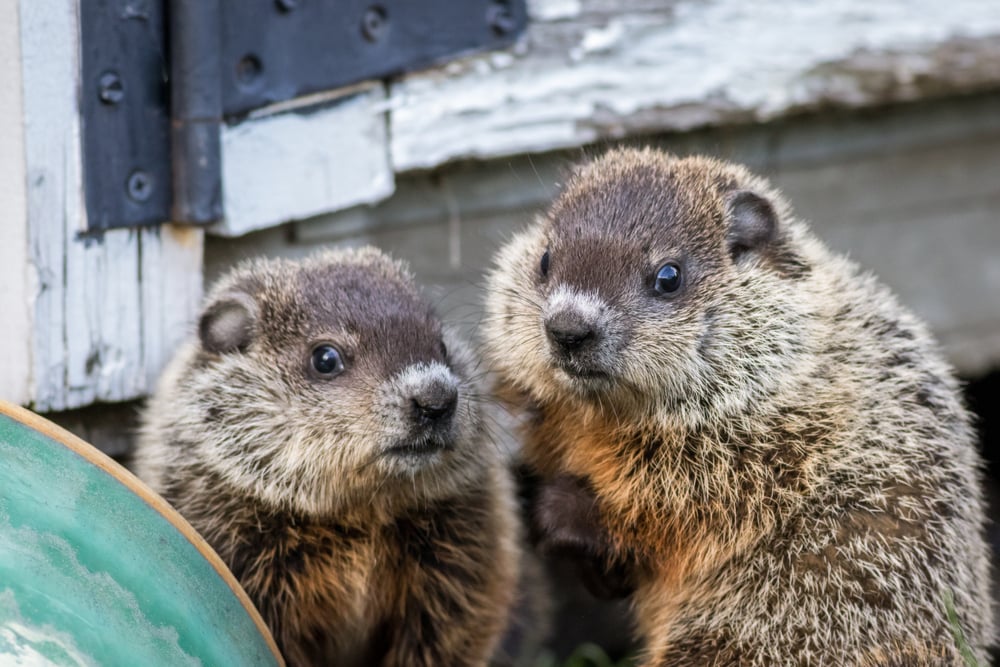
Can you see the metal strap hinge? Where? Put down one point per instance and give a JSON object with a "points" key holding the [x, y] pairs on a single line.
{"points": [[160, 78]]}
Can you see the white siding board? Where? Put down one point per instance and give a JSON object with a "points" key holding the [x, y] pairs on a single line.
{"points": [[96, 320], [87, 335], [685, 65], [170, 299], [293, 165], [49, 47], [102, 319], [15, 289]]}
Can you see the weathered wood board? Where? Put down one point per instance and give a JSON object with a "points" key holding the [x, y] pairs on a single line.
{"points": [[289, 166], [95, 320], [590, 70], [103, 313], [15, 339], [594, 69]]}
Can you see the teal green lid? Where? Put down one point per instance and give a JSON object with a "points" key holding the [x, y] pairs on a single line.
{"points": [[96, 569]]}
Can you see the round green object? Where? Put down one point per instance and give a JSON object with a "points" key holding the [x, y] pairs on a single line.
{"points": [[96, 569]]}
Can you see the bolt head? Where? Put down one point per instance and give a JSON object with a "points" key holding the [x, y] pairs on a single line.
{"points": [[501, 19], [139, 186], [374, 23], [110, 88], [248, 70]]}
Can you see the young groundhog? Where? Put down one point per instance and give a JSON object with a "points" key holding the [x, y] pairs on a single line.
{"points": [[747, 429], [325, 434]]}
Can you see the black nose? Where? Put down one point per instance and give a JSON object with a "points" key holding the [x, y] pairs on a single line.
{"points": [[569, 331], [434, 404]]}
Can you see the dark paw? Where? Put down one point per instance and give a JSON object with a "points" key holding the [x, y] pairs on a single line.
{"points": [[567, 526], [607, 582]]}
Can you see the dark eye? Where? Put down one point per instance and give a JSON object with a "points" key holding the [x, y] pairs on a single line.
{"points": [[326, 360], [545, 262], [668, 279], [444, 350]]}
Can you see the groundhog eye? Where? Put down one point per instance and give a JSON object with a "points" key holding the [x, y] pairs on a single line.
{"points": [[326, 360], [545, 262], [668, 279]]}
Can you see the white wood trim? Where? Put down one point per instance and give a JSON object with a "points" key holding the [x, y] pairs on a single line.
{"points": [[587, 70], [171, 265], [15, 287], [293, 165], [94, 335]]}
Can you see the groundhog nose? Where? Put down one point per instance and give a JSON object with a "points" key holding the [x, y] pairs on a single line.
{"points": [[569, 331], [434, 404]]}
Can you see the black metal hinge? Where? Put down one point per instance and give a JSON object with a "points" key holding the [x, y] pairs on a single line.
{"points": [[159, 79]]}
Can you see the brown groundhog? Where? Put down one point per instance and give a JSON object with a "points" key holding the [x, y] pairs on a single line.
{"points": [[755, 428], [326, 436]]}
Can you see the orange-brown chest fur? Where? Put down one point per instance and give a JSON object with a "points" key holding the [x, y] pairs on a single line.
{"points": [[610, 459], [421, 587], [681, 503]]}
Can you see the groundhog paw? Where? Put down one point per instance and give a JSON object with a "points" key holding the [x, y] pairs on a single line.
{"points": [[566, 525]]}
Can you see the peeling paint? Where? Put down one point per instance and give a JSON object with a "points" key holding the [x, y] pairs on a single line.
{"points": [[553, 10], [598, 40], [293, 165], [693, 64]]}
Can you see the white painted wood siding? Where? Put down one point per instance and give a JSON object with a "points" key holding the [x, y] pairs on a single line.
{"points": [[589, 70], [289, 166], [104, 314], [95, 321], [594, 69], [15, 328]]}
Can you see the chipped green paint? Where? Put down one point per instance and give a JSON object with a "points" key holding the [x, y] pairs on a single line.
{"points": [[91, 574]]}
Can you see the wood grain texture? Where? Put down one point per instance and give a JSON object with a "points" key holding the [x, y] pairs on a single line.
{"points": [[590, 69], [15, 292], [171, 287], [94, 321], [98, 298], [294, 165]]}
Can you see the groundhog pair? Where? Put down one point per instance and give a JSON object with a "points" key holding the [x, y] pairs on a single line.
{"points": [[741, 430]]}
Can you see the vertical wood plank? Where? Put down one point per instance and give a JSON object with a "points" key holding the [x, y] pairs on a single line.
{"points": [[15, 290], [170, 298], [88, 334], [293, 165]]}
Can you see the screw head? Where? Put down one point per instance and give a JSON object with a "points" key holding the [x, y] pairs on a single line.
{"points": [[500, 18], [374, 23], [248, 70], [110, 88], [140, 186], [286, 5]]}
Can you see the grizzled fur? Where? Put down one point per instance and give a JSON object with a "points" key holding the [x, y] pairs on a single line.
{"points": [[775, 449], [364, 533]]}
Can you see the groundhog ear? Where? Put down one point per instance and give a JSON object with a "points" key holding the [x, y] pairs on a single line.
{"points": [[753, 223], [227, 324]]}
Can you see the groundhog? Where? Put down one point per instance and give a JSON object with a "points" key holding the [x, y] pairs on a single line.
{"points": [[326, 435], [748, 430]]}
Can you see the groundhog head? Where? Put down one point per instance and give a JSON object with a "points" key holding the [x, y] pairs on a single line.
{"points": [[330, 384], [655, 284]]}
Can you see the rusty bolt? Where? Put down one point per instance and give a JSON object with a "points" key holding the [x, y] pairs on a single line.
{"points": [[374, 23], [140, 186], [110, 89]]}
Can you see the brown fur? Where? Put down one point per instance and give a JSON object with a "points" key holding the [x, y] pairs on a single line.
{"points": [[777, 447], [354, 554]]}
